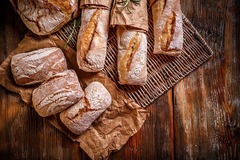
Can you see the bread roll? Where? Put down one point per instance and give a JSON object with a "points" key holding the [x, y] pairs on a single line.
{"points": [[80, 116], [132, 56], [33, 67], [92, 39], [44, 17], [57, 93], [167, 23]]}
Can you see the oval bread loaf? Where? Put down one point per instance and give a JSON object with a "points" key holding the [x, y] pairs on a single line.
{"points": [[44, 17], [33, 67], [57, 93], [92, 39], [132, 56], [80, 116]]}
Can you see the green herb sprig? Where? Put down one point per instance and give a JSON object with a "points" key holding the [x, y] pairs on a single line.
{"points": [[76, 24], [124, 4]]}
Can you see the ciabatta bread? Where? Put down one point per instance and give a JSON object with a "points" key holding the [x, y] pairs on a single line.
{"points": [[132, 56], [57, 93], [92, 39], [168, 30], [80, 116], [33, 67], [44, 17]]}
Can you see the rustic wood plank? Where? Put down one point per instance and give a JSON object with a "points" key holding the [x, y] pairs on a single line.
{"points": [[155, 140], [12, 31], [206, 103]]}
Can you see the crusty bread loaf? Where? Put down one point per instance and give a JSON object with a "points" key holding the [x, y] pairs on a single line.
{"points": [[92, 39], [132, 56], [57, 93], [44, 17], [167, 23], [33, 67], [80, 116]]}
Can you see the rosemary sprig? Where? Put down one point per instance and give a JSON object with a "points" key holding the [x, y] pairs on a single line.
{"points": [[76, 24], [124, 4]]}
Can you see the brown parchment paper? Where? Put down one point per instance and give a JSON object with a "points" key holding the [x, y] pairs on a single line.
{"points": [[137, 17], [111, 130], [95, 3]]}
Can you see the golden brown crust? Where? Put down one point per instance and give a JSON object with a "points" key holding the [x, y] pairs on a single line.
{"points": [[132, 56], [125, 62], [168, 32], [86, 39]]}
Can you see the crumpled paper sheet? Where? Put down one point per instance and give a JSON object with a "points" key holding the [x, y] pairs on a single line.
{"points": [[111, 130], [100, 3], [138, 18]]}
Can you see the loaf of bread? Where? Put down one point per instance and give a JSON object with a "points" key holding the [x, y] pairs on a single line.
{"points": [[132, 56], [57, 93], [168, 30], [44, 17], [80, 116], [33, 67], [92, 39]]}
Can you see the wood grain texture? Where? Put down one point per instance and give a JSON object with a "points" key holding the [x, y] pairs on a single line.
{"points": [[206, 103], [198, 119], [156, 139]]}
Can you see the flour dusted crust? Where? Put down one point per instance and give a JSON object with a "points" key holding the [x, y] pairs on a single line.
{"points": [[57, 93], [33, 67], [80, 116], [168, 31], [92, 39], [132, 56], [44, 17]]}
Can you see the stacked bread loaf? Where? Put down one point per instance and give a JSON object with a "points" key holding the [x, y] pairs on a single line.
{"points": [[93, 35], [58, 89], [168, 30], [132, 24]]}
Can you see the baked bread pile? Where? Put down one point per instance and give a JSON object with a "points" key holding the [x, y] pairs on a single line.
{"points": [[58, 89], [130, 18]]}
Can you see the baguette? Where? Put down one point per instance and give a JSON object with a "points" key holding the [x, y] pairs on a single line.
{"points": [[168, 30], [92, 39], [33, 67], [132, 56], [80, 116], [57, 93]]}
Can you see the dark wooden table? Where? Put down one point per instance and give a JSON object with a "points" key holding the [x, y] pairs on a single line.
{"points": [[199, 118]]}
